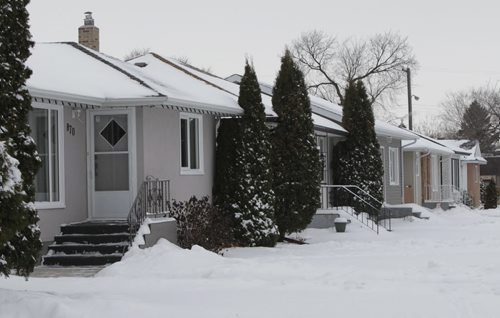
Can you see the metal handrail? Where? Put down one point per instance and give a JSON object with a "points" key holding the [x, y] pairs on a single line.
{"points": [[374, 221], [152, 200]]}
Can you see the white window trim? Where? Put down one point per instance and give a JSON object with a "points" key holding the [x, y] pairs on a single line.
{"points": [[61, 204], [186, 170], [394, 178]]}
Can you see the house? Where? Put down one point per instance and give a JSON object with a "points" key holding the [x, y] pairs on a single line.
{"points": [[427, 181], [466, 170], [103, 128], [441, 172]]}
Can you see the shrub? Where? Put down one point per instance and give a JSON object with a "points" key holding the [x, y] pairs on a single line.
{"points": [[200, 223], [491, 196]]}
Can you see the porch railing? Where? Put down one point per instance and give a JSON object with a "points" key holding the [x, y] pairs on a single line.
{"points": [[358, 203], [152, 200], [441, 193]]}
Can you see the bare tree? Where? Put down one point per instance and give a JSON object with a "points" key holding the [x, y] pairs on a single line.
{"points": [[136, 53], [330, 64], [456, 103], [434, 129], [184, 60]]}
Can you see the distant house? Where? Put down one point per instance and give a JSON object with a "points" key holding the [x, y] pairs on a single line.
{"points": [[466, 168], [441, 172]]}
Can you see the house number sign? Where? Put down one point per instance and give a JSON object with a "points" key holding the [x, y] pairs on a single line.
{"points": [[70, 129]]}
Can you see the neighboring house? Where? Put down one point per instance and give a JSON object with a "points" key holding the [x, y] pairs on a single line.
{"points": [[441, 172], [427, 180], [389, 137], [466, 169]]}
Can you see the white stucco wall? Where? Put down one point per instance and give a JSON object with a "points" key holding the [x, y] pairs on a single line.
{"points": [[158, 146]]}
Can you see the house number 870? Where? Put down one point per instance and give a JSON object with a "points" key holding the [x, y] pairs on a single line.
{"points": [[70, 129]]}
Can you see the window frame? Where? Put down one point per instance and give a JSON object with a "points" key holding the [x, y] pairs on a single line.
{"points": [[393, 166], [187, 170], [61, 203]]}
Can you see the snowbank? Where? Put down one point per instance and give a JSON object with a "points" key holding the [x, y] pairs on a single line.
{"points": [[446, 266]]}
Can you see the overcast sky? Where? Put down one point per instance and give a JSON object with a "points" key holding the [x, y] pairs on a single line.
{"points": [[456, 42]]}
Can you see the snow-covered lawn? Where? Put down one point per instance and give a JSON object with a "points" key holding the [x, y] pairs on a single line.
{"points": [[447, 266]]}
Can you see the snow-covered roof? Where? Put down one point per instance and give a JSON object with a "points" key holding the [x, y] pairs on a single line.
{"points": [[66, 68], [232, 88], [470, 150], [71, 72], [326, 108], [182, 86], [426, 144]]}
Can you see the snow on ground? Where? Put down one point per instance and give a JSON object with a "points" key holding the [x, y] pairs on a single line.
{"points": [[447, 266]]}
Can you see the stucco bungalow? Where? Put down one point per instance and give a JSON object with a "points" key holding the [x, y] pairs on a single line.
{"points": [[441, 172]]}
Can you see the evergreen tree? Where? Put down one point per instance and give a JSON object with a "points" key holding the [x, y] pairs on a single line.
{"points": [[248, 198], [476, 125], [357, 160], [491, 196], [19, 241], [296, 161], [226, 177]]}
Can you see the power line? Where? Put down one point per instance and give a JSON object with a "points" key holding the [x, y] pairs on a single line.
{"points": [[455, 71]]}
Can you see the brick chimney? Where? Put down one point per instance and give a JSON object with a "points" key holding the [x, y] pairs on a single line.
{"points": [[88, 33]]}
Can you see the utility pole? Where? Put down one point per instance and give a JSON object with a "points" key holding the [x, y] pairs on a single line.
{"points": [[408, 81]]}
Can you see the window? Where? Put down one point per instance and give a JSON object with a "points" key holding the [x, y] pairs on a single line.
{"points": [[393, 166], [46, 130], [191, 144], [322, 144]]}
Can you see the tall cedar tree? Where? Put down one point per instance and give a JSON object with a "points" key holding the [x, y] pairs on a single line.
{"points": [[19, 235], [296, 161], [226, 178], [357, 160], [491, 198], [251, 201], [476, 125]]}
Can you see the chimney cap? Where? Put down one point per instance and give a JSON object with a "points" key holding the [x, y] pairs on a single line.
{"points": [[88, 18]]}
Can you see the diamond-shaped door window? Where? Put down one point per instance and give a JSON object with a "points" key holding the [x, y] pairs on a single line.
{"points": [[113, 133]]}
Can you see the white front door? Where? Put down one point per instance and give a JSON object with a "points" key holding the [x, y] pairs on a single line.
{"points": [[111, 175]]}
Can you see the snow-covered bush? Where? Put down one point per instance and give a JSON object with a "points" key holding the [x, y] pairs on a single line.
{"points": [[200, 223]]}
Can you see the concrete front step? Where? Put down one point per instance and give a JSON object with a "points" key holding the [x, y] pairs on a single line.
{"points": [[89, 248], [95, 228], [81, 259], [89, 243], [92, 238]]}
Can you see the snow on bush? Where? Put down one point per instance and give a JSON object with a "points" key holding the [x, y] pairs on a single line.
{"points": [[10, 176]]}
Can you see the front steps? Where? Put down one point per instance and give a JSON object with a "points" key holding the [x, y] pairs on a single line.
{"points": [[89, 244]]}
